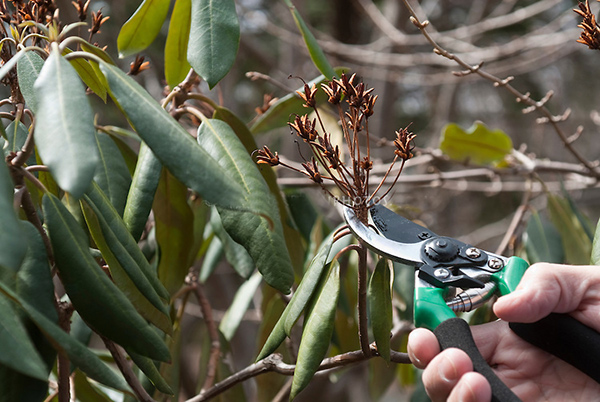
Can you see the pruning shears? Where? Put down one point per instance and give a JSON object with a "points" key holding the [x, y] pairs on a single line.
{"points": [[453, 277]]}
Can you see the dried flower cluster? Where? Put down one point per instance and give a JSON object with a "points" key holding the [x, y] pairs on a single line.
{"points": [[591, 31], [355, 104]]}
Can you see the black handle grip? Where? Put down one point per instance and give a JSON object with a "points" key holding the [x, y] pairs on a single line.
{"points": [[566, 338], [455, 333]]}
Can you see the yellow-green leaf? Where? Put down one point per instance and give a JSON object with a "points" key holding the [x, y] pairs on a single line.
{"points": [[176, 64], [380, 307], [478, 145], [142, 28]]}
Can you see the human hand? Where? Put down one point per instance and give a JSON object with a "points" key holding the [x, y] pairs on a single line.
{"points": [[531, 373]]}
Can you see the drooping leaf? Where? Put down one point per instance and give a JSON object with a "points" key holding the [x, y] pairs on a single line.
{"points": [[148, 367], [238, 307], [176, 64], [542, 241], [576, 243], [64, 130], [174, 231], [293, 240], [142, 27], [318, 328], [172, 145], [112, 174], [18, 352], [308, 285], [117, 226], [214, 39], [13, 243], [97, 299], [380, 307], [141, 192], [479, 144], [315, 51], [235, 253], [91, 76], [125, 273], [28, 69], [212, 256], [80, 355], [279, 113], [261, 235], [85, 391]]}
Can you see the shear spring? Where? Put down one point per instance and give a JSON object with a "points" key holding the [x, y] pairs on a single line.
{"points": [[472, 299]]}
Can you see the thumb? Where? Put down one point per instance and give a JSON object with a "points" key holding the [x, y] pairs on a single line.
{"points": [[546, 288]]}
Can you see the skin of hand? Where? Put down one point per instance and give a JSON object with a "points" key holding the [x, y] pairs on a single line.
{"points": [[532, 374]]}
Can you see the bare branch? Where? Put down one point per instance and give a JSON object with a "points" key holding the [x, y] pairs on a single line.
{"points": [[274, 363]]}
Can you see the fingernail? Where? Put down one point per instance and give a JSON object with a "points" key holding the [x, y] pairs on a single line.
{"points": [[447, 371]]}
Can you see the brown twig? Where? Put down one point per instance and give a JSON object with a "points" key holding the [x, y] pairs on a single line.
{"points": [[126, 370], [515, 223], [363, 326], [274, 363]]}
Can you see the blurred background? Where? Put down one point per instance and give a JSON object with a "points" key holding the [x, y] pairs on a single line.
{"points": [[532, 41]]}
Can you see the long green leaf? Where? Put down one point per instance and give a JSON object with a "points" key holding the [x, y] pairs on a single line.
{"points": [[91, 76], [122, 235], [174, 231], [64, 130], [13, 243], [176, 64], [315, 51], [542, 241], [148, 367], [318, 329], [141, 192], [97, 299], [125, 273], [142, 28], [80, 355], [18, 352], [10, 64], [112, 174], [262, 236], [380, 307], [235, 253], [308, 285], [172, 145], [235, 313], [28, 69], [214, 38], [576, 242]]}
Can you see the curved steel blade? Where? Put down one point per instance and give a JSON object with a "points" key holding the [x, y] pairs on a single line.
{"points": [[404, 252]]}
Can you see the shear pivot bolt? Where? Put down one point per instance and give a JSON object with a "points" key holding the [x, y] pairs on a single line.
{"points": [[495, 263], [441, 273], [472, 252]]}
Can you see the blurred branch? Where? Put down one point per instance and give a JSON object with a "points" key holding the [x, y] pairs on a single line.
{"points": [[521, 97], [275, 363]]}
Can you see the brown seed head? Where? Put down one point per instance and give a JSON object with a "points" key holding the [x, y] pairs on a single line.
{"points": [[590, 36], [305, 128], [138, 65], [333, 91], [312, 170], [82, 9], [308, 96], [97, 20], [403, 144], [266, 156]]}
